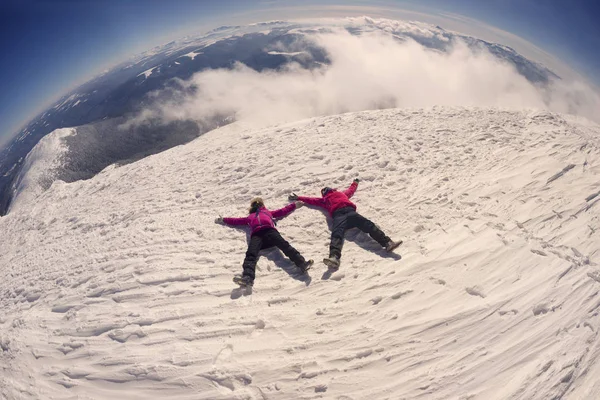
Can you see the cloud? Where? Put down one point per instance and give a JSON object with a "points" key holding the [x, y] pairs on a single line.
{"points": [[368, 71]]}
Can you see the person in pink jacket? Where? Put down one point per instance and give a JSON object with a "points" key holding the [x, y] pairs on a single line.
{"points": [[263, 235], [345, 217]]}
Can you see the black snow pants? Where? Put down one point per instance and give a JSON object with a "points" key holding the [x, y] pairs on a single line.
{"points": [[347, 218], [264, 239]]}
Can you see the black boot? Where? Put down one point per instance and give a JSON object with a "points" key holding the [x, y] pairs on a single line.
{"points": [[243, 281], [304, 267], [333, 263], [391, 245]]}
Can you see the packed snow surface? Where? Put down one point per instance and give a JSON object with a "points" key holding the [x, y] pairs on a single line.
{"points": [[120, 286]]}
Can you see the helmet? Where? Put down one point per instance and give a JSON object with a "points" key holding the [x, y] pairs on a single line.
{"points": [[325, 190]]}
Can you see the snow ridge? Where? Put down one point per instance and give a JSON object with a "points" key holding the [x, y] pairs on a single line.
{"points": [[122, 283]]}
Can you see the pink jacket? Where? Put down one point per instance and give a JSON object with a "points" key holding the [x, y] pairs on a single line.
{"points": [[333, 200], [261, 219]]}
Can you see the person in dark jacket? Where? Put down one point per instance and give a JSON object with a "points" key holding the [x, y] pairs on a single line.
{"points": [[263, 235], [345, 217]]}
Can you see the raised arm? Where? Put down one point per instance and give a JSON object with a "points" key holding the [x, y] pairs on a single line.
{"points": [[282, 212], [350, 191], [236, 221]]}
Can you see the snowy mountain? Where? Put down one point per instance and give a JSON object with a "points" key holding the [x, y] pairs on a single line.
{"points": [[270, 46], [120, 286]]}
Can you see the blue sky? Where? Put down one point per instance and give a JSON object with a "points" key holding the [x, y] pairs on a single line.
{"points": [[49, 47]]}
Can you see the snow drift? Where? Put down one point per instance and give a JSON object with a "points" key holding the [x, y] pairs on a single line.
{"points": [[120, 286]]}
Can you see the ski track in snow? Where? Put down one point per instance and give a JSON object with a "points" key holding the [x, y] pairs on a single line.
{"points": [[120, 286]]}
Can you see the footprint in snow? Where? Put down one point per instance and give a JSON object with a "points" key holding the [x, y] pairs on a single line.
{"points": [[224, 354], [542, 308], [538, 252], [475, 291], [595, 275], [320, 388], [505, 312]]}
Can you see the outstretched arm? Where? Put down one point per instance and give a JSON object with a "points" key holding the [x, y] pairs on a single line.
{"points": [[350, 191], [282, 212], [313, 201], [236, 221]]}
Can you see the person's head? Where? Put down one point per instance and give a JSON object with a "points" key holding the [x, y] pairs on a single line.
{"points": [[325, 190], [256, 204]]}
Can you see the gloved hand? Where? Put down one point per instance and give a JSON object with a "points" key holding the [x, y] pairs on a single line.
{"points": [[299, 204], [293, 197], [219, 220], [356, 180]]}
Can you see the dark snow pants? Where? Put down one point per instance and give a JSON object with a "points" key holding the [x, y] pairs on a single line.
{"points": [[264, 239], [347, 218]]}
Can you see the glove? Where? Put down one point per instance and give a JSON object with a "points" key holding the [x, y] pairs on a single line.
{"points": [[219, 220], [293, 197], [356, 180], [299, 204]]}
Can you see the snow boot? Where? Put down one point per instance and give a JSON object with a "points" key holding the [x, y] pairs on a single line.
{"points": [[243, 281], [391, 246], [332, 262], [306, 266]]}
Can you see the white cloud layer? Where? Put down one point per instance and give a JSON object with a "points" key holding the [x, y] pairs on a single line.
{"points": [[369, 71]]}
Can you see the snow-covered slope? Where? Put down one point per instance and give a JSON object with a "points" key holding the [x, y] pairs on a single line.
{"points": [[40, 167], [120, 286]]}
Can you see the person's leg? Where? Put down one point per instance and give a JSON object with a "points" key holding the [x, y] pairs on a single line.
{"points": [[355, 220], [275, 239], [254, 247], [338, 230]]}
